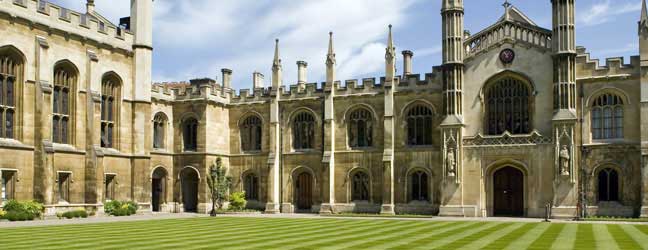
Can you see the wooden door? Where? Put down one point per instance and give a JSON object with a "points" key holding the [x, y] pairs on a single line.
{"points": [[508, 192], [304, 191]]}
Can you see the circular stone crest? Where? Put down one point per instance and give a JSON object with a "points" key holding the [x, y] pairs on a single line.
{"points": [[507, 56]]}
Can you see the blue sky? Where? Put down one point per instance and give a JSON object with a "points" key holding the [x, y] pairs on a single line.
{"points": [[196, 38]]}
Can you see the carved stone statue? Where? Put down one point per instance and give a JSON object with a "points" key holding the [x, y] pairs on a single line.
{"points": [[564, 160], [452, 162]]}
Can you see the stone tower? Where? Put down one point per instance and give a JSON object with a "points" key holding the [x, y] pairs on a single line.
{"points": [[643, 53], [142, 26], [452, 14], [564, 102]]}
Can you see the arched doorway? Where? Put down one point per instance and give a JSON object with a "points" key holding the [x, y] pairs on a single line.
{"points": [[158, 188], [304, 191], [508, 192], [189, 179]]}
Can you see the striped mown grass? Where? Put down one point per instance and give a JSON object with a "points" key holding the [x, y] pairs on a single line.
{"points": [[325, 233]]}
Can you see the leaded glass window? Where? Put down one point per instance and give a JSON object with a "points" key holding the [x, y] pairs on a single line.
{"points": [[360, 186], [608, 185], [303, 131], [419, 126], [9, 68], [159, 124], [251, 133], [64, 80], [251, 182], [361, 128], [190, 134], [419, 186], [508, 107], [109, 105], [607, 117]]}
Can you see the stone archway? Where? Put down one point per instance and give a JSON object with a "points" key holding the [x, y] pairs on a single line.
{"points": [[158, 189], [508, 192], [189, 179]]}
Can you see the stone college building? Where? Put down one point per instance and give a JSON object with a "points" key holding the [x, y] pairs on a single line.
{"points": [[516, 117]]}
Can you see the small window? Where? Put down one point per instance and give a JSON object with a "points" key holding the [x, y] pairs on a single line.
{"points": [[608, 185], [64, 187], [8, 185], [251, 187], [159, 123], [110, 187], [190, 134]]}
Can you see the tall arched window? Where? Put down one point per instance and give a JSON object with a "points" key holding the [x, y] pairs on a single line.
{"points": [[159, 124], [190, 134], [303, 131], [607, 117], [62, 107], [419, 126], [360, 186], [419, 186], [251, 187], [608, 185], [10, 67], [508, 104], [361, 128], [110, 86], [251, 133]]}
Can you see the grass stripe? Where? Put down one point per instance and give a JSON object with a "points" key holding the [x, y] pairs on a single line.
{"points": [[505, 240], [474, 236], [585, 235], [347, 241], [642, 228], [603, 238], [636, 235], [424, 239], [296, 237], [376, 243], [622, 239], [528, 238], [548, 237]]}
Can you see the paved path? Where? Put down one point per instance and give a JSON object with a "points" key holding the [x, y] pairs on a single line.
{"points": [[162, 216]]}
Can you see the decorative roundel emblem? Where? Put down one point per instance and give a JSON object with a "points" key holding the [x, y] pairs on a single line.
{"points": [[507, 56]]}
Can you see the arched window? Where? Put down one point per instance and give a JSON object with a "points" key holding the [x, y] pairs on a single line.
{"points": [[303, 131], [608, 185], [419, 186], [190, 134], [251, 133], [109, 109], [419, 126], [251, 182], [10, 67], [508, 107], [361, 128], [159, 122], [360, 186], [62, 107], [607, 117]]}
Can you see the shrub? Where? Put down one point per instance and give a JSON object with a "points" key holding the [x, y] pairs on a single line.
{"points": [[81, 213], [2, 214], [237, 201], [27, 210], [119, 208]]}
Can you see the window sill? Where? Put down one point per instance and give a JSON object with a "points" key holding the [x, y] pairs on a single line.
{"points": [[608, 142], [65, 148], [12, 143]]}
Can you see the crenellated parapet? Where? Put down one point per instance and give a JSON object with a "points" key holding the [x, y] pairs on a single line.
{"points": [[614, 67], [54, 18]]}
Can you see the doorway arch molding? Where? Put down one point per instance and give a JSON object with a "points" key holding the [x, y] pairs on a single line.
{"points": [[488, 179]]}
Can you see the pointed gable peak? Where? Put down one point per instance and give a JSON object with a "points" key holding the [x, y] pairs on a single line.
{"points": [[644, 11], [512, 13]]}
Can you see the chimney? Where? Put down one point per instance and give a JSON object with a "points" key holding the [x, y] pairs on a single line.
{"points": [[90, 6], [257, 80], [407, 62], [227, 78], [301, 74]]}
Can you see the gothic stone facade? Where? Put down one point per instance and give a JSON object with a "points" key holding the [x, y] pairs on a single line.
{"points": [[515, 118]]}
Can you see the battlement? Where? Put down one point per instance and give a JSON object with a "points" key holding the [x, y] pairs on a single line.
{"points": [[89, 26], [614, 67]]}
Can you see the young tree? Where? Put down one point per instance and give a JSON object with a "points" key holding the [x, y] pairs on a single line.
{"points": [[219, 183]]}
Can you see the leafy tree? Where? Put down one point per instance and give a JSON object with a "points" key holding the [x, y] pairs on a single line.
{"points": [[219, 184]]}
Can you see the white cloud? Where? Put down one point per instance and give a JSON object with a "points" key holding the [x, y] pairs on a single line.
{"points": [[605, 11]]}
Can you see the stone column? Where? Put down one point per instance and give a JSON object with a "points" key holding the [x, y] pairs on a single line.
{"points": [[643, 52], [328, 159], [388, 151], [43, 150], [272, 206]]}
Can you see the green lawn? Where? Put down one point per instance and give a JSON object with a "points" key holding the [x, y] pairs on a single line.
{"points": [[329, 233]]}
